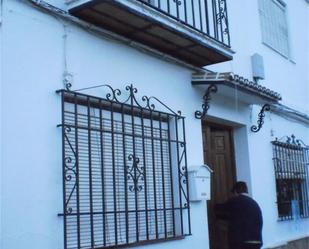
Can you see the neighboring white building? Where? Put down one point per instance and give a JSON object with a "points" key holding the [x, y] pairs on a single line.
{"points": [[236, 58]]}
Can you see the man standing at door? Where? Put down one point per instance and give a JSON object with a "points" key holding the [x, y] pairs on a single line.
{"points": [[244, 217]]}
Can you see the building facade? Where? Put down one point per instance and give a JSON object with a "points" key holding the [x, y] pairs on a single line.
{"points": [[94, 153]]}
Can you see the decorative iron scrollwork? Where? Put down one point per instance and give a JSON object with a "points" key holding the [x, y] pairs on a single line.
{"points": [[222, 18], [261, 116], [178, 2], [68, 85], [206, 98], [290, 141], [293, 141], [69, 170], [183, 175], [135, 174], [148, 103]]}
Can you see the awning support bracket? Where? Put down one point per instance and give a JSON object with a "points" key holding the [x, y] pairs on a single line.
{"points": [[206, 98], [261, 116]]}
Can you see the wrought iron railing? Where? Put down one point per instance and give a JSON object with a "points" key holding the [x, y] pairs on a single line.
{"points": [[291, 162], [124, 170], [206, 16]]}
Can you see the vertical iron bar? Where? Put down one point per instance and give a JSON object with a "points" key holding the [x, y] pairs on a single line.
{"points": [[290, 161], [285, 175], [304, 182], [171, 173], [279, 189], [77, 169], [283, 203], [179, 173], [145, 173], [114, 173], [299, 163], [154, 174], [281, 180], [125, 173], [214, 14], [220, 17], [102, 174], [186, 173], [90, 172], [185, 10], [299, 181], [306, 178], [163, 178], [193, 16], [168, 6], [63, 172], [295, 183], [206, 16], [278, 181], [227, 24], [177, 8], [200, 13], [276, 169], [159, 4], [290, 176], [134, 165], [300, 155]]}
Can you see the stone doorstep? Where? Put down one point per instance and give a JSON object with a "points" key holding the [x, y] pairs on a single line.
{"points": [[302, 243]]}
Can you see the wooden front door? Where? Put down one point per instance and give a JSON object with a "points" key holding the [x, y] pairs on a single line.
{"points": [[219, 155]]}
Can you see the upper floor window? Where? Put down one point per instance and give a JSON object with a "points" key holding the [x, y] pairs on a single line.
{"points": [[274, 25], [291, 161]]}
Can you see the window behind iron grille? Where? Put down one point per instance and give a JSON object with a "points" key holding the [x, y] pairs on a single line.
{"points": [[124, 170], [291, 162]]}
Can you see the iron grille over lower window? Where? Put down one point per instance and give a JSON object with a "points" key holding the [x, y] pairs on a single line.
{"points": [[124, 171], [291, 161]]}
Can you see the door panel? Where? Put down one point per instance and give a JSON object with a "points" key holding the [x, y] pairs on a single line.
{"points": [[218, 154]]}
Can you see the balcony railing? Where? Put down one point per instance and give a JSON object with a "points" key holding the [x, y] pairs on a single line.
{"points": [[206, 16], [193, 31]]}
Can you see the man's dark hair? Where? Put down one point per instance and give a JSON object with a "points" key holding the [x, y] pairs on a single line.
{"points": [[240, 187]]}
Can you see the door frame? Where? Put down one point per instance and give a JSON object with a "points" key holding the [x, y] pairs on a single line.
{"points": [[230, 130]]}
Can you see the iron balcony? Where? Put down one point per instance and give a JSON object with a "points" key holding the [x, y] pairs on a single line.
{"points": [[193, 31]]}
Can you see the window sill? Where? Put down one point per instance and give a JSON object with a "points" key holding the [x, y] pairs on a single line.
{"points": [[291, 219], [278, 52], [148, 242]]}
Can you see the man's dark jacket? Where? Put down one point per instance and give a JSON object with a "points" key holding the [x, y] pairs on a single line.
{"points": [[245, 219]]}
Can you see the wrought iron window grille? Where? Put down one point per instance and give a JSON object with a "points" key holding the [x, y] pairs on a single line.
{"points": [[291, 164], [124, 170]]}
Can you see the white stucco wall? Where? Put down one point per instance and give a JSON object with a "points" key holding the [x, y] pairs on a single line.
{"points": [[31, 157], [263, 177], [290, 77], [34, 61]]}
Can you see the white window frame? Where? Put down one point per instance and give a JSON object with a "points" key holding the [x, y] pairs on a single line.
{"points": [[265, 39]]}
